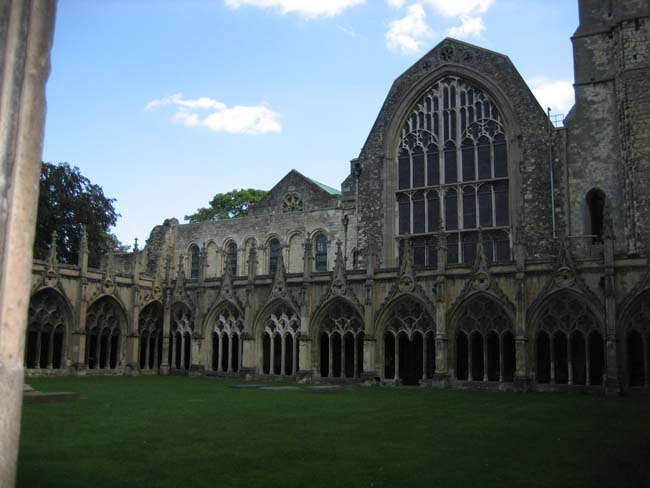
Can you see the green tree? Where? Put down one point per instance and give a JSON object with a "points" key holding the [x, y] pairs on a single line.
{"points": [[67, 201], [227, 205]]}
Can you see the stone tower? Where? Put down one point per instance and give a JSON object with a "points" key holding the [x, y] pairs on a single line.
{"points": [[608, 130]]}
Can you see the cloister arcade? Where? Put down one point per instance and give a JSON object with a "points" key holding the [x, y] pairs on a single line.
{"points": [[47, 325], [180, 337], [280, 334], [340, 341], [105, 327], [226, 340], [151, 336]]}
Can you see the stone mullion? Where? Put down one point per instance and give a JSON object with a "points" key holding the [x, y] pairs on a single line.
{"points": [[240, 356], [330, 373], [37, 365], [569, 355], [182, 365], [283, 354], [646, 361], [50, 349], [397, 357], [147, 352], [501, 358], [230, 352], [552, 354], [470, 373], [343, 375], [174, 340], [155, 352], [587, 361], [356, 360], [294, 358], [99, 348], [425, 356], [272, 350], [219, 352], [110, 349], [485, 358]]}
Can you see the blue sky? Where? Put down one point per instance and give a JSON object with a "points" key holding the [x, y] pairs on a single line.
{"points": [[166, 102]]}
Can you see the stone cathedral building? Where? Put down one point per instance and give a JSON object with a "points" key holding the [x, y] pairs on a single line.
{"points": [[473, 244]]}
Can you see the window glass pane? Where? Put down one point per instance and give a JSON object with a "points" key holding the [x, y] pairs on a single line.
{"points": [[194, 263], [470, 241], [321, 253], [274, 253], [404, 169], [500, 157], [450, 163], [433, 166], [452, 248], [404, 210], [469, 208], [451, 210], [484, 166], [419, 252], [232, 257], [469, 171], [485, 205], [433, 202], [418, 167], [418, 213], [501, 203]]}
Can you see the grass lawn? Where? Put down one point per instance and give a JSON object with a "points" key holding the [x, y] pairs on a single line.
{"points": [[187, 432]]}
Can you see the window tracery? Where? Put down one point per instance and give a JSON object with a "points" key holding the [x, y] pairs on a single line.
{"points": [[292, 203], [280, 352], [453, 174]]}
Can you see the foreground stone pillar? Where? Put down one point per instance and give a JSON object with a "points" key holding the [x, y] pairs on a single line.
{"points": [[26, 28]]}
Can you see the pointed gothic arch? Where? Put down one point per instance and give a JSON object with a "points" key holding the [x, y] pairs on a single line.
{"points": [[48, 325], [337, 339], [634, 337], [405, 330], [150, 330], [106, 327], [567, 335], [484, 343], [181, 336], [225, 327], [277, 330]]}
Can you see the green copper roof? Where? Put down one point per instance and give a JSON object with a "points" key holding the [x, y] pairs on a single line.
{"points": [[328, 189]]}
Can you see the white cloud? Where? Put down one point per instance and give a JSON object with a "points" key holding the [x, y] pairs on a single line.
{"points": [[459, 8], [347, 30], [306, 8], [556, 94], [218, 117], [395, 3], [406, 34], [469, 27]]}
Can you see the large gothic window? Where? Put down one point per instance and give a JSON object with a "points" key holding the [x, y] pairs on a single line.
{"points": [[453, 174]]}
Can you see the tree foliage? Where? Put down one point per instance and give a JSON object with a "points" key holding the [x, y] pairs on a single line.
{"points": [[67, 201], [227, 205]]}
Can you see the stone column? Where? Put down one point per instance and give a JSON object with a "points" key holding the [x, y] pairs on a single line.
{"points": [[147, 351], [294, 366], [155, 351], [485, 359], [611, 380], [569, 361], [283, 347], [396, 358], [182, 345], [165, 365], [330, 363], [355, 341], [272, 351], [219, 353], [342, 375], [424, 357], [500, 359], [249, 357], [230, 352], [109, 351], [39, 341], [26, 29]]}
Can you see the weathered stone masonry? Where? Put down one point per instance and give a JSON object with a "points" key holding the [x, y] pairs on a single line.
{"points": [[474, 244]]}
